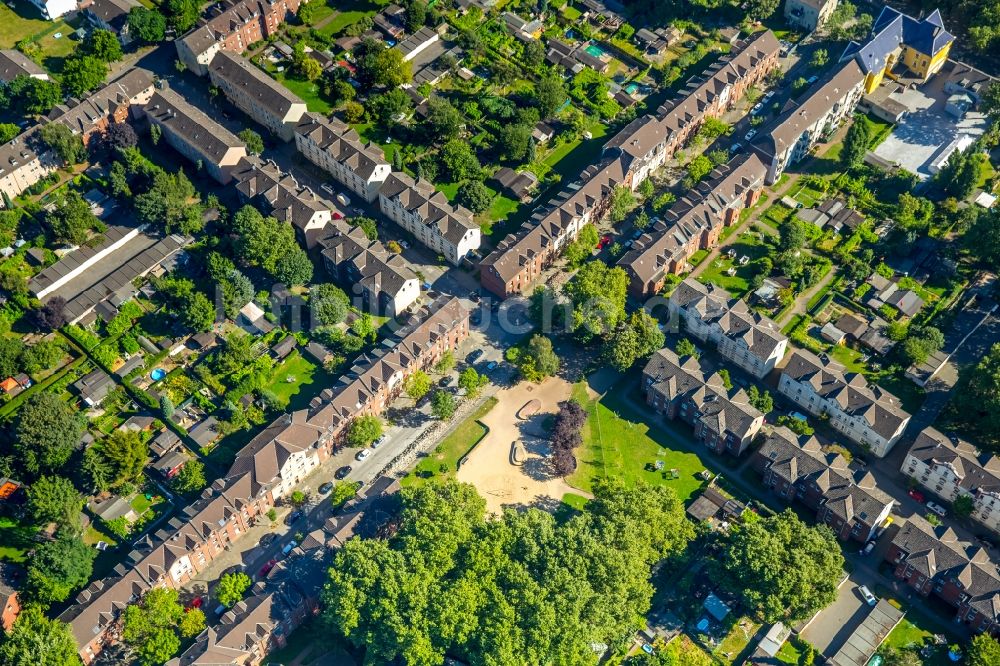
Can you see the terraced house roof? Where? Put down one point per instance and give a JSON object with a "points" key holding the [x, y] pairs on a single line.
{"points": [[216, 29], [849, 391], [100, 105], [342, 143], [261, 180], [977, 472], [430, 206], [192, 124], [244, 75], [376, 270]]}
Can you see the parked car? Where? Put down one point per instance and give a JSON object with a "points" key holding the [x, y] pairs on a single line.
{"points": [[491, 366], [380, 441], [444, 381], [735, 148], [916, 494], [362, 454], [220, 609], [812, 79], [751, 134], [342, 473], [757, 108], [474, 356], [869, 547], [288, 547], [867, 595], [328, 189], [326, 487], [637, 233], [768, 95], [937, 508], [294, 516], [267, 539], [343, 200], [195, 603], [266, 569]]}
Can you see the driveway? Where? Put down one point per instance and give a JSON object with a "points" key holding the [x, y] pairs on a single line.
{"points": [[831, 628]]}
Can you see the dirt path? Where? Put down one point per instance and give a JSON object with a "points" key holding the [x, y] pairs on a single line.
{"points": [[489, 467], [802, 300]]}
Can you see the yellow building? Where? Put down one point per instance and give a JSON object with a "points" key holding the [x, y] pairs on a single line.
{"points": [[902, 47]]}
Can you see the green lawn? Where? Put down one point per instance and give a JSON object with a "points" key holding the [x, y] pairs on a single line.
{"points": [[309, 92], [15, 539], [443, 462], [738, 284], [788, 654], [614, 446], [24, 22], [908, 635], [350, 13], [311, 642], [290, 376]]}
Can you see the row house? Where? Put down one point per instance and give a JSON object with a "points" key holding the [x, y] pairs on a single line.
{"points": [[13, 64], [519, 259], [387, 283], [415, 205], [262, 473], [630, 157], [337, 149], [956, 469], [256, 94], [234, 29], [276, 193], [866, 414], [168, 558], [749, 340], [24, 160], [847, 501], [194, 135], [694, 222], [122, 100], [723, 420], [815, 118], [377, 377], [934, 561]]}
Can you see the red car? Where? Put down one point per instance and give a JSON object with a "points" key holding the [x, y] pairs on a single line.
{"points": [[195, 603], [917, 495], [604, 242], [266, 569]]}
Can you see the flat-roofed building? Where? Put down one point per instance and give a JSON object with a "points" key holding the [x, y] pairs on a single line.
{"points": [[194, 135]]}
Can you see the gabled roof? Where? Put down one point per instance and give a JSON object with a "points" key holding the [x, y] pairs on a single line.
{"points": [[243, 75], [13, 64], [208, 137]]}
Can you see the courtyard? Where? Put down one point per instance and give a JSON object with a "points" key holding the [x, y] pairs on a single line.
{"points": [[916, 142]]}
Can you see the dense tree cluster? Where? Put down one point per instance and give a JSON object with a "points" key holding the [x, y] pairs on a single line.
{"points": [[524, 588], [535, 359], [153, 628]]}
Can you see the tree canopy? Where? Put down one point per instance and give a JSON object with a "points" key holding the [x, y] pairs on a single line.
{"points": [[524, 588], [47, 431], [54, 499], [783, 568], [60, 567], [364, 430], [153, 628], [35, 640]]}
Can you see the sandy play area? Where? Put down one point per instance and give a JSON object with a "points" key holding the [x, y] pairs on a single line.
{"points": [[489, 467]]}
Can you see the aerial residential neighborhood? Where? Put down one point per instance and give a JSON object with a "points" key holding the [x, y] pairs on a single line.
{"points": [[629, 332]]}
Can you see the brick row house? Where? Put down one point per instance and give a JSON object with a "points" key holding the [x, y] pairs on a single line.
{"points": [[194, 135], [337, 149], [256, 94], [640, 148], [694, 222], [749, 340], [235, 28], [25, 159], [933, 561], [956, 469], [723, 419], [866, 414], [847, 501], [264, 472]]}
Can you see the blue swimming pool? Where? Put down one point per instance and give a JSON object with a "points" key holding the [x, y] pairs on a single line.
{"points": [[158, 374]]}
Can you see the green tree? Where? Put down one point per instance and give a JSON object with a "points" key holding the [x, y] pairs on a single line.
{"points": [[353, 112], [761, 400], [637, 338], [892, 656], [47, 431], [152, 626], [416, 15], [819, 59], [103, 45], [184, 14], [460, 161], [685, 347], [550, 94], [147, 25], [232, 587], [171, 203], [54, 499], [294, 268], [328, 304], [190, 478], [34, 95], [984, 650], [380, 66], [198, 313], [82, 74], [58, 568], [446, 363], [783, 569], [124, 458], [443, 405], [367, 225], [475, 196], [598, 295], [535, 360], [61, 140], [697, 169], [71, 219], [363, 431], [513, 141], [262, 241], [166, 406], [253, 140], [761, 9], [35, 640], [418, 385], [921, 342], [622, 203], [577, 251], [389, 106], [963, 505], [472, 382], [855, 143]]}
